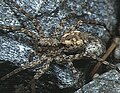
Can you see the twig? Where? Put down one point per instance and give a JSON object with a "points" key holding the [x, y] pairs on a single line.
{"points": [[110, 49]]}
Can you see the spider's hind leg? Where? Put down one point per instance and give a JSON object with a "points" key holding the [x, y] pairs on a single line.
{"points": [[44, 60], [43, 69]]}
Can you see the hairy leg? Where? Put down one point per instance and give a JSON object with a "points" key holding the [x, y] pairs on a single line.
{"points": [[31, 18], [18, 29], [31, 65], [105, 56]]}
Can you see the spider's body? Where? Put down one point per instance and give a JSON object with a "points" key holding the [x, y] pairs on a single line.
{"points": [[72, 45]]}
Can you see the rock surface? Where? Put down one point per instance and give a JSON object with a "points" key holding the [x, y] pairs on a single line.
{"points": [[15, 47], [108, 82], [13, 51], [50, 18]]}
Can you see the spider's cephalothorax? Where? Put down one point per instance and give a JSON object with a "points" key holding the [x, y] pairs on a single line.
{"points": [[74, 41]]}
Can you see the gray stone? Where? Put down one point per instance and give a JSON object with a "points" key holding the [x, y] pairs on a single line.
{"points": [[117, 52], [108, 82], [14, 51]]}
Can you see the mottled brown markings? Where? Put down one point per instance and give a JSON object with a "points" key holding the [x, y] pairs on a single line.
{"points": [[72, 38], [52, 48], [10, 28], [18, 29]]}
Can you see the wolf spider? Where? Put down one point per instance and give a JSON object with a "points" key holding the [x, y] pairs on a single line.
{"points": [[71, 45]]}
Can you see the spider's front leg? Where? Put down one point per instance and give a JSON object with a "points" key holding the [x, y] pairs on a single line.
{"points": [[31, 18], [10, 28], [18, 29], [22, 28]]}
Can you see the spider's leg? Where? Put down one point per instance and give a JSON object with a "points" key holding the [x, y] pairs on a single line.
{"points": [[31, 18], [16, 14], [101, 60], [94, 22], [43, 69], [19, 29], [22, 28], [108, 52], [61, 59], [72, 67], [11, 73], [24, 67], [10, 28], [39, 73]]}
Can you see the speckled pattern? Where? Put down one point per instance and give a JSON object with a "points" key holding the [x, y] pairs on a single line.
{"points": [[58, 9], [6, 15], [13, 51], [50, 14]]}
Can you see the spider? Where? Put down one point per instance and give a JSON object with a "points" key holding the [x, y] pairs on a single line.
{"points": [[72, 45]]}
